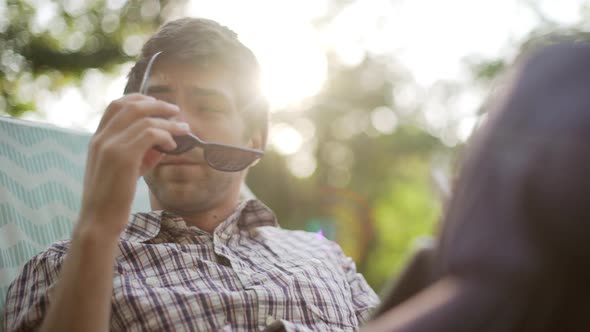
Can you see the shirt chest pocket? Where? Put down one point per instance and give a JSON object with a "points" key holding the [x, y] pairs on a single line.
{"points": [[323, 288], [151, 301], [136, 283]]}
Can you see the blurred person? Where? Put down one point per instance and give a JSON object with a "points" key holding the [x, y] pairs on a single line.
{"points": [[515, 241], [202, 259]]}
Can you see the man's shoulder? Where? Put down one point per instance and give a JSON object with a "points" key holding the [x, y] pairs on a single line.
{"points": [[295, 233], [59, 247], [301, 238], [44, 265], [56, 250]]}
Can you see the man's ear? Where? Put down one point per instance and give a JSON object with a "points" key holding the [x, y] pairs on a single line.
{"points": [[259, 123], [257, 140]]}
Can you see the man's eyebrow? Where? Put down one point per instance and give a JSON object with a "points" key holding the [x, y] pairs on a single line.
{"points": [[195, 91]]}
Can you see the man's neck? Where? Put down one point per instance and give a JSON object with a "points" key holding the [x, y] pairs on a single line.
{"points": [[208, 218], [211, 218]]}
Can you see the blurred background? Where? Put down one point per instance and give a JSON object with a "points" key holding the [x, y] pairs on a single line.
{"points": [[372, 101]]}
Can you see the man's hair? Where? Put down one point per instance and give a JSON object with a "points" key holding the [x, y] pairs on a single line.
{"points": [[203, 42]]}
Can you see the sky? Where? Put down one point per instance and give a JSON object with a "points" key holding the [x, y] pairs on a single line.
{"points": [[429, 38]]}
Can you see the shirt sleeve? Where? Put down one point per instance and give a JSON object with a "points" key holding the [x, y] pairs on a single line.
{"points": [[29, 294], [364, 299]]}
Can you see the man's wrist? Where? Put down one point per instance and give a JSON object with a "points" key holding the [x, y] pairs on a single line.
{"points": [[108, 222], [91, 232]]}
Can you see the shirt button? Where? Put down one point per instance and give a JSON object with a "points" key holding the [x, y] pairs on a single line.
{"points": [[152, 281]]}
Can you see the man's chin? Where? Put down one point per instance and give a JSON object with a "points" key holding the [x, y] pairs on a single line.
{"points": [[182, 193], [185, 198]]}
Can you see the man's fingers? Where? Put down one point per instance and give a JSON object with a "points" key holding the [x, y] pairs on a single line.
{"points": [[136, 111], [116, 105], [124, 112], [128, 147], [148, 132], [173, 127], [150, 159], [153, 137]]}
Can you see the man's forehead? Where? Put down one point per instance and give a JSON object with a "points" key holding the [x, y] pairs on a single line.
{"points": [[199, 80], [169, 69], [171, 80], [188, 77]]}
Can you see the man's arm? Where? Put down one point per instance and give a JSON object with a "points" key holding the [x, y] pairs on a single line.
{"points": [[120, 152], [29, 294], [37, 288], [364, 299], [83, 291]]}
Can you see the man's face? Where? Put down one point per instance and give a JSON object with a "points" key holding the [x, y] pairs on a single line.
{"points": [[185, 183]]}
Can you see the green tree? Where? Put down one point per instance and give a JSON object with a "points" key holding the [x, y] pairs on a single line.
{"points": [[51, 43]]}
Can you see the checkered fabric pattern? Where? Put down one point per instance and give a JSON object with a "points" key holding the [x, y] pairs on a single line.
{"points": [[248, 275]]}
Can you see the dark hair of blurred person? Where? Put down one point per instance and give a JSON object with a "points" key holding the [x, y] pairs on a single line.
{"points": [[514, 246]]}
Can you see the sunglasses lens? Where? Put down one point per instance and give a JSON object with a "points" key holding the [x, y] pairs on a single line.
{"points": [[228, 159]]}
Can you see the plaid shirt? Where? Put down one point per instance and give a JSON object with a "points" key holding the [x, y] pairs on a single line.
{"points": [[248, 275]]}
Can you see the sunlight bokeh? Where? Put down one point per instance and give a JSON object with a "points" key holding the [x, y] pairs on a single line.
{"points": [[282, 37], [430, 39], [285, 139]]}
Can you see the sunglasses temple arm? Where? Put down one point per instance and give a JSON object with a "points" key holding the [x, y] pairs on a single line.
{"points": [[143, 87]]}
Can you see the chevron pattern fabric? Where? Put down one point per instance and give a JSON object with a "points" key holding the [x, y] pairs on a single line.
{"points": [[41, 175]]}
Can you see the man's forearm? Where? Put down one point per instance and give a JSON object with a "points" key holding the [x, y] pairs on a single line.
{"points": [[119, 153], [82, 299]]}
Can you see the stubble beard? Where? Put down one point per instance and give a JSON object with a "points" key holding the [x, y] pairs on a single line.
{"points": [[192, 196]]}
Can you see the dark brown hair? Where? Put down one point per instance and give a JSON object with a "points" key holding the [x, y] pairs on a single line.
{"points": [[203, 42], [519, 215], [515, 242]]}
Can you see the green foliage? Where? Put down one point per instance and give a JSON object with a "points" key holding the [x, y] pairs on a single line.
{"points": [[488, 70], [402, 218], [80, 35]]}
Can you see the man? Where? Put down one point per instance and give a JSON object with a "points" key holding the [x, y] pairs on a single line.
{"points": [[202, 260]]}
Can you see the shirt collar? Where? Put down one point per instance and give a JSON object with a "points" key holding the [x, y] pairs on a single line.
{"points": [[249, 214]]}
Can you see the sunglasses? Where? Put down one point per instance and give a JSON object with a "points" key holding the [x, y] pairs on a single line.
{"points": [[222, 157]]}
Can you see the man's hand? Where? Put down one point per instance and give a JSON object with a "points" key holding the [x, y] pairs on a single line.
{"points": [[120, 152]]}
